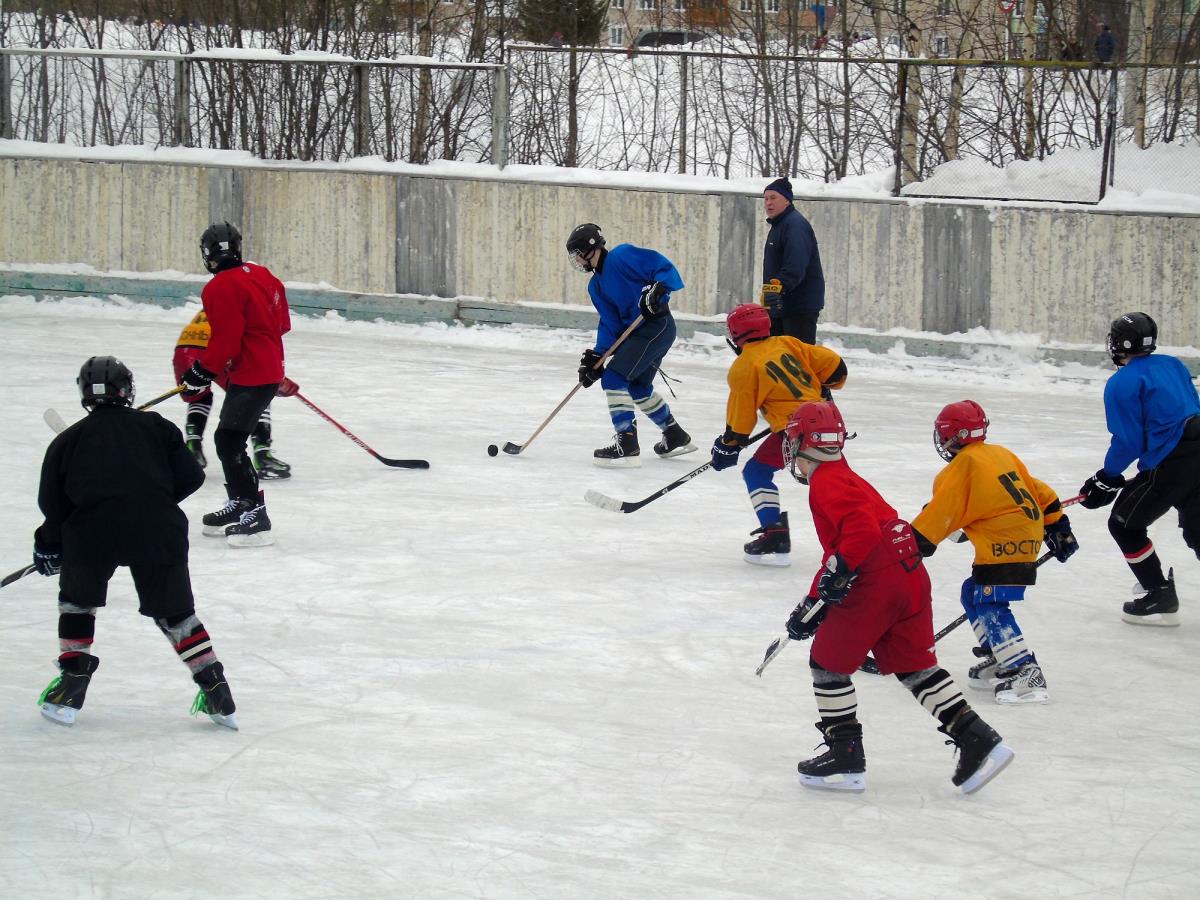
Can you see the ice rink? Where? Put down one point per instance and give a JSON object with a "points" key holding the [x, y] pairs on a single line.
{"points": [[469, 683]]}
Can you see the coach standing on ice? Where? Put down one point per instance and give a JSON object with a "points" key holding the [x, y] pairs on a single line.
{"points": [[793, 285], [247, 310]]}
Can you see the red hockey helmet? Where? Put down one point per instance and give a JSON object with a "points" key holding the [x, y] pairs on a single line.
{"points": [[814, 431], [957, 425], [748, 322]]}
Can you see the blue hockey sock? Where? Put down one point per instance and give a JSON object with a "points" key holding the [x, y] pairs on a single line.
{"points": [[650, 403], [764, 495]]}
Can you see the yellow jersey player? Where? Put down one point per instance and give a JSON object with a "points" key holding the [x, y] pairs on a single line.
{"points": [[771, 375], [987, 492]]}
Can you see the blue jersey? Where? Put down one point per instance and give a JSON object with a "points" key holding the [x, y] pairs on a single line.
{"points": [[616, 288], [1147, 403]]}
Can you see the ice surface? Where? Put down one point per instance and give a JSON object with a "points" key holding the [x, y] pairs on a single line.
{"points": [[468, 682]]}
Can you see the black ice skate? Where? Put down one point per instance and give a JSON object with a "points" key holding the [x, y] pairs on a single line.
{"points": [[253, 529], [1158, 606], [196, 448], [65, 694], [772, 546], [214, 698], [269, 465], [1024, 684], [675, 441], [840, 768], [215, 523], [622, 453], [982, 755]]}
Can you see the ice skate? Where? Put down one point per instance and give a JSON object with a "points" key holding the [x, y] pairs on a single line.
{"points": [[982, 755], [1026, 684], [196, 448], [215, 523], [269, 465], [622, 453], [214, 698], [982, 675], [253, 529], [772, 546], [64, 696], [843, 766], [1158, 606], [675, 441]]}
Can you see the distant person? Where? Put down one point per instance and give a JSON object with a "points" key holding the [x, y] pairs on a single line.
{"points": [[1106, 45], [628, 282], [110, 491], [793, 288]]}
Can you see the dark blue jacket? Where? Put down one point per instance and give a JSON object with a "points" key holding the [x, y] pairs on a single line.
{"points": [[1106, 45], [1147, 403], [792, 256]]}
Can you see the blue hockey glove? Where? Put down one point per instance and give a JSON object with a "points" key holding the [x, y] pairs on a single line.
{"points": [[802, 623], [47, 562], [1101, 489], [653, 302], [588, 375], [1060, 540], [724, 455], [836, 580]]}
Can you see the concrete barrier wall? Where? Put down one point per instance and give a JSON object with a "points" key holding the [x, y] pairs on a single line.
{"points": [[926, 266]]}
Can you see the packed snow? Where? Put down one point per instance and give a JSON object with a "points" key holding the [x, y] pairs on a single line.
{"points": [[468, 682]]}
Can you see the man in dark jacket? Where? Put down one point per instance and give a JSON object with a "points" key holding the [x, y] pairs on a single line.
{"points": [[1106, 44], [110, 491], [793, 284]]}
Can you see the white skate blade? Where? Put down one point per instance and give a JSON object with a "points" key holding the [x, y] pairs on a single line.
{"points": [[243, 541], [59, 715], [678, 451], [995, 763], [854, 783], [229, 721], [215, 530], [622, 462], [273, 475], [1161, 620], [778, 560], [1011, 698]]}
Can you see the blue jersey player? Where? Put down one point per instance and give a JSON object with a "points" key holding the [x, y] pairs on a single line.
{"points": [[628, 282], [1154, 417]]}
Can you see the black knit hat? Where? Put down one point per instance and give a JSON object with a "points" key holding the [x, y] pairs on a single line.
{"points": [[781, 186]]}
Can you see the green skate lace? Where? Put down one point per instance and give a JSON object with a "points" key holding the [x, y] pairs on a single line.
{"points": [[50, 687], [200, 704]]}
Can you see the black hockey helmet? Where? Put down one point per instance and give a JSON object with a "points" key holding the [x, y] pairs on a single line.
{"points": [[104, 381], [220, 243], [1131, 335], [582, 240]]}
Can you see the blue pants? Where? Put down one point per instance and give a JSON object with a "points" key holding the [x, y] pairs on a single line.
{"points": [[628, 378], [987, 609]]}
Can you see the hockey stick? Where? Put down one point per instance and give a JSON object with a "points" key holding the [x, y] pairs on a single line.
{"points": [[627, 506], [15, 576], [394, 463], [513, 449], [58, 425]]}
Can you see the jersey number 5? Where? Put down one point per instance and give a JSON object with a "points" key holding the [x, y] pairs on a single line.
{"points": [[794, 370], [1024, 500]]}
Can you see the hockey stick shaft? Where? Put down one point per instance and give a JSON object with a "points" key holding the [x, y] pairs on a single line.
{"points": [[394, 463], [58, 425], [178, 389], [628, 506], [15, 576], [513, 449]]}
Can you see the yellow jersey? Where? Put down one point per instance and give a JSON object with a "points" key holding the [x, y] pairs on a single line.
{"points": [[776, 375], [196, 333]]}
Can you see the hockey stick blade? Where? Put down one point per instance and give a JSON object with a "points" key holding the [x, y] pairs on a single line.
{"points": [[604, 501], [777, 647], [54, 420], [403, 463], [513, 449], [15, 576]]}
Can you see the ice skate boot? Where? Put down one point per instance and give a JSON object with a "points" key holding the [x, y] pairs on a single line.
{"points": [[843, 766], [215, 523], [1158, 606], [622, 453], [982, 675], [1025, 684], [253, 529], [269, 465], [196, 447], [214, 698], [65, 694], [772, 546], [982, 755], [675, 441]]}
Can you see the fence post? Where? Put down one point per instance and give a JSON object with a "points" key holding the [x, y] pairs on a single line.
{"points": [[901, 103], [683, 117], [182, 131], [500, 117], [362, 110], [6, 126]]}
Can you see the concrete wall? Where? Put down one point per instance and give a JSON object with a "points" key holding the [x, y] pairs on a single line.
{"points": [[928, 266]]}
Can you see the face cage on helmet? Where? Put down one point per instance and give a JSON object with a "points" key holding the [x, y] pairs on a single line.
{"points": [[579, 261], [947, 450]]}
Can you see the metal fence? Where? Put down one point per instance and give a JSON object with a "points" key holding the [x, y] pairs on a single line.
{"points": [[708, 113]]}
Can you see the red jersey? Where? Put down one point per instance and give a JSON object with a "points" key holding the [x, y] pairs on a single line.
{"points": [[248, 312]]}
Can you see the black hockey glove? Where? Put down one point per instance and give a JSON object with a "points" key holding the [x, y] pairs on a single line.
{"points": [[1060, 540], [836, 580], [587, 374], [47, 562], [1101, 489], [802, 623], [196, 380], [724, 455], [653, 302]]}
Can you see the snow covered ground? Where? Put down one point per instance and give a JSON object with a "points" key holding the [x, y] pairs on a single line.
{"points": [[468, 682]]}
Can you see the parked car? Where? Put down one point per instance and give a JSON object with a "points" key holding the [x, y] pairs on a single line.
{"points": [[668, 38]]}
